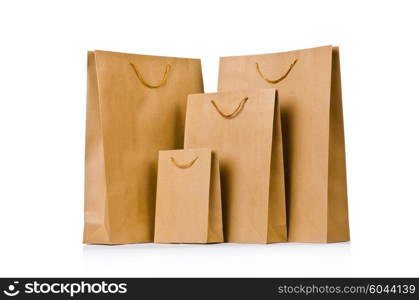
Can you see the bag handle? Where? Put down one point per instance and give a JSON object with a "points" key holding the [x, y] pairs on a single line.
{"points": [[273, 81], [238, 109], [185, 166], [149, 85]]}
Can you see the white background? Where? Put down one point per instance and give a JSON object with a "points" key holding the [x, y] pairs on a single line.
{"points": [[43, 47]]}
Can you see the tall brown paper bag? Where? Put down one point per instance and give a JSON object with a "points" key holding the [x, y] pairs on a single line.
{"points": [[309, 89], [188, 201], [241, 128], [135, 106]]}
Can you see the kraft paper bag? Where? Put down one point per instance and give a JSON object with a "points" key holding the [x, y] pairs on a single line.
{"points": [[135, 107], [309, 89], [242, 129], [188, 201]]}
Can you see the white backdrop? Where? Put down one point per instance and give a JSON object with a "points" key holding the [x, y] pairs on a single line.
{"points": [[42, 120]]}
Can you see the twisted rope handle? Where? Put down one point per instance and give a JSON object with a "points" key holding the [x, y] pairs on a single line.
{"points": [[235, 112], [273, 81], [149, 85], [185, 166]]}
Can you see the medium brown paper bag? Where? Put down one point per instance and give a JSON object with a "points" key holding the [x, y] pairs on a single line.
{"points": [[135, 107], [188, 201], [241, 128], [309, 90]]}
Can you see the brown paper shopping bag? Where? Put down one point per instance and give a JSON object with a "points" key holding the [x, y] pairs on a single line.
{"points": [[241, 128], [309, 90], [188, 201], [135, 107]]}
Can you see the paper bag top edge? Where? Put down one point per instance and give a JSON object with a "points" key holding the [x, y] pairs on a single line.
{"points": [[144, 55], [186, 150], [272, 53], [235, 92]]}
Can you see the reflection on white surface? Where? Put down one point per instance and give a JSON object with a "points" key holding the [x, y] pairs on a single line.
{"points": [[285, 259]]}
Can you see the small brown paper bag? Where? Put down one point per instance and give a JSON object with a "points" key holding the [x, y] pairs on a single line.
{"points": [[309, 90], [135, 107], [188, 201], [241, 128]]}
